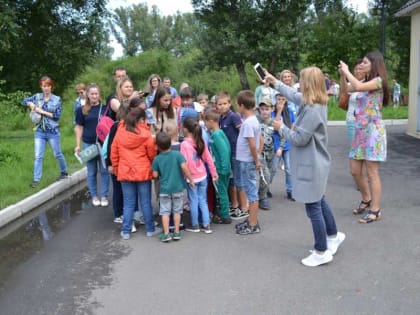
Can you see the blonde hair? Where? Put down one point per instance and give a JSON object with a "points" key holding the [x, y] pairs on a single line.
{"points": [[313, 86]]}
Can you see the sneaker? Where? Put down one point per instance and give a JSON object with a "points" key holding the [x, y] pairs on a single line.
{"points": [[239, 214], [264, 204], [249, 229], [233, 210], [33, 184], [289, 196], [96, 202], [218, 220], [240, 225], [334, 242], [62, 176], [206, 229], [118, 219], [104, 202], [125, 236], [176, 236], [155, 232], [315, 259], [193, 228], [133, 228], [165, 237]]}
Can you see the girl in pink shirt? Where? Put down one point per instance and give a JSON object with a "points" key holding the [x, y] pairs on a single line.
{"points": [[197, 156]]}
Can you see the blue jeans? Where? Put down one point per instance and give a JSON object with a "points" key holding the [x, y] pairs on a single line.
{"points": [[41, 139], [92, 170], [198, 199], [323, 222], [288, 174], [134, 192]]}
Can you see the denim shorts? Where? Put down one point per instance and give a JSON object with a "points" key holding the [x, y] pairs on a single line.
{"points": [[234, 181], [248, 180], [171, 203]]}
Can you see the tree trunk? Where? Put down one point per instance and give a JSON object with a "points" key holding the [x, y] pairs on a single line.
{"points": [[242, 76]]}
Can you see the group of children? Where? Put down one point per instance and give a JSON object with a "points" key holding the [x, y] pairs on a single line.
{"points": [[214, 149]]}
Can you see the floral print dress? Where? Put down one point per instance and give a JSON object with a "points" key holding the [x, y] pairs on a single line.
{"points": [[369, 142]]}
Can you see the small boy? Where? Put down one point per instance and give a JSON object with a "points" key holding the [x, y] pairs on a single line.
{"points": [[203, 100], [220, 149], [230, 123], [249, 140], [170, 166], [265, 110]]}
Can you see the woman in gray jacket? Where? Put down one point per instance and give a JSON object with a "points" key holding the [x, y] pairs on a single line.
{"points": [[310, 160]]}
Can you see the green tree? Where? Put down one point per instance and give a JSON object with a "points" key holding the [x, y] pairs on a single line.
{"points": [[137, 30], [240, 32], [327, 41], [52, 37], [396, 36]]}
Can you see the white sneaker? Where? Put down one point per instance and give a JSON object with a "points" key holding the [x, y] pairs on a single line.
{"points": [[104, 202], [119, 219], [334, 242], [315, 259], [96, 202], [133, 228]]}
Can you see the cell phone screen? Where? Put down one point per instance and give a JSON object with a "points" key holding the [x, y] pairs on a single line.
{"points": [[260, 71]]}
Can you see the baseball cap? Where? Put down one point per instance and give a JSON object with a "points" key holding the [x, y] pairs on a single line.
{"points": [[266, 101]]}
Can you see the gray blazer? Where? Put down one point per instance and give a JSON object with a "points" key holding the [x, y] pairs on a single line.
{"points": [[309, 157]]}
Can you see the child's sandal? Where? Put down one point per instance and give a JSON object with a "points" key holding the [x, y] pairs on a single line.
{"points": [[367, 218], [363, 206]]}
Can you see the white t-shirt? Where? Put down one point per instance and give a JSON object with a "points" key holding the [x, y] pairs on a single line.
{"points": [[250, 129]]}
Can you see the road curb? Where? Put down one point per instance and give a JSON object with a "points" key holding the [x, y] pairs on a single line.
{"points": [[14, 212]]}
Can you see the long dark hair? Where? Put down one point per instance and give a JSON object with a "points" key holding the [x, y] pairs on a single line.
{"points": [[377, 69], [161, 92], [133, 117], [194, 128]]}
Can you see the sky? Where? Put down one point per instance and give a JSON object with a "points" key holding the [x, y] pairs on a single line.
{"points": [[170, 7]]}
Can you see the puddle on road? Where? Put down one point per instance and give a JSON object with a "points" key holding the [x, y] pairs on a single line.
{"points": [[26, 236]]}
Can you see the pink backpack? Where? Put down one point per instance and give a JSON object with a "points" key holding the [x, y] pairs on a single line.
{"points": [[104, 126]]}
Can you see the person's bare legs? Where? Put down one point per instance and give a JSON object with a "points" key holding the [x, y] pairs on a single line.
{"points": [[356, 170], [243, 201], [165, 223], [177, 221], [375, 184], [233, 195], [253, 213]]}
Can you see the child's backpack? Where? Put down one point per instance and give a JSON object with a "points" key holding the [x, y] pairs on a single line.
{"points": [[104, 126]]}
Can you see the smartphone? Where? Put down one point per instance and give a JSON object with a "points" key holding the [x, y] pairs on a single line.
{"points": [[145, 94], [260, 71]]}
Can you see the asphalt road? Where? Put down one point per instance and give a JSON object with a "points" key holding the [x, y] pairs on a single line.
{"points": [[87, 269]]}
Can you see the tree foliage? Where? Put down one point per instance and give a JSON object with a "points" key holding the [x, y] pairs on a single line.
{"points": [[138, 30], [335, 32], [238, 32], [49, 37]]}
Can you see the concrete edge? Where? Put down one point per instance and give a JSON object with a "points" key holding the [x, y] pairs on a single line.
{"points": [[388, 122], [13, 212]]}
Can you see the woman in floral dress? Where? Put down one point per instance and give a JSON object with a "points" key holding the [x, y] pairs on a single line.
{"points": [[368, 147]]}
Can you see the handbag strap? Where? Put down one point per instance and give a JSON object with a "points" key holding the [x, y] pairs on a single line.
{"points": [[99, 118]]}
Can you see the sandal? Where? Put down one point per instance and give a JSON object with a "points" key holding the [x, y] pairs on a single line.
{"points": [[363, 206], [367, 218]]}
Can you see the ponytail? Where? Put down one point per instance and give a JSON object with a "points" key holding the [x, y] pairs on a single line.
{"points": [[194, 128], [132, 118]]}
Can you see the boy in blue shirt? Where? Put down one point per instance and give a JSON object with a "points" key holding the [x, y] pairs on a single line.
{"points": [[170, 167]]}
